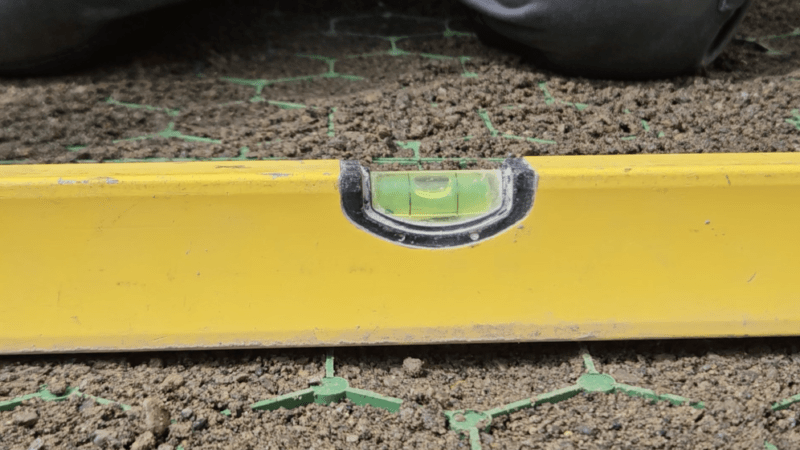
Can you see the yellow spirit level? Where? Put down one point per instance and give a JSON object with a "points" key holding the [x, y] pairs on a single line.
{"points": [[305, 253]]}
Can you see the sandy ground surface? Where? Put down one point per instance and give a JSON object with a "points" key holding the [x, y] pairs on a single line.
{"points": [[366, 81], [176, 399]]}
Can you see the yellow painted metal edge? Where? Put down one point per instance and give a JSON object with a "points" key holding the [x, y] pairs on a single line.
{"points": [[259, 254]]}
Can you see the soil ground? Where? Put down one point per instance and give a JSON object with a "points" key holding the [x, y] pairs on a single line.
{"points": [[220, 79], [737, 380], [350, 80]]}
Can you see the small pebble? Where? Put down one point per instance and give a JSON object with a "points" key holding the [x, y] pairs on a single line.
{"points": [[156, 417], [57, 386], [412, 367], [104, 438], [25, 418], [85, 383], [86, 405], [391, 382], [145, 441], [171, 382], [187, 413], [180, 430], [37, 444], [236, 408], [199, 424], [242, 377], [156, 363]]}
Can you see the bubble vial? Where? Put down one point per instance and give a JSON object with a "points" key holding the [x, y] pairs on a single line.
{"points": [[436, 197]]}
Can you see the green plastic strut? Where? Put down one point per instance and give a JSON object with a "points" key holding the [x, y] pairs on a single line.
{"points": [[469, 423], [331, 389]]}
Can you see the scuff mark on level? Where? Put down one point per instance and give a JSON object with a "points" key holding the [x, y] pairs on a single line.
{"points": [[110, 180], [729, 180], [752, 277], [231, 167], [63, 181], [275, 175]]}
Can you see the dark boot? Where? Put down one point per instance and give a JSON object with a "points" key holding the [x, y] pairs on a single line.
{"points": [[611, 38], [43, 36]]}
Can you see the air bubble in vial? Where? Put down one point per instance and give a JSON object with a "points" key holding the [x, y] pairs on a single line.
{"points": [[474, 236], [401, 238]]}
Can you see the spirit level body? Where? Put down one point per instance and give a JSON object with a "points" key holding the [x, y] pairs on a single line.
{"points": [[109, 257]]}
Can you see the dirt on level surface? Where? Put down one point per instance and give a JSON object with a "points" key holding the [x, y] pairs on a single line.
{"points": [[176, 399], [358, 80]]}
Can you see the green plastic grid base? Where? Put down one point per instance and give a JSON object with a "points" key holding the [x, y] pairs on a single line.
{"points": [[785, 403], [331, 389], [44, 394], [549, 99], [487, 121], [763, 41], [469, 423], [167, 133], [795, 119]]}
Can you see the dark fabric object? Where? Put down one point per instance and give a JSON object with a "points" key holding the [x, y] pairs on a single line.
{"points": [[611, 38], [43, 36]]}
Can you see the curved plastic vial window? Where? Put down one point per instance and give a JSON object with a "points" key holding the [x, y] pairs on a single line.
{"points": [[436, 198], [437, 209]]}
